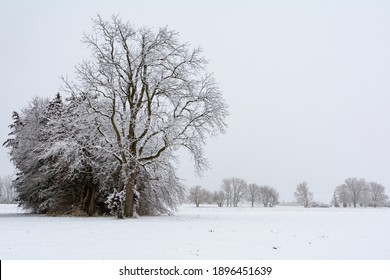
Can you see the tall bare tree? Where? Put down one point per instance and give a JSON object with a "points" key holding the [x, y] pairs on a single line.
{"points": [[274, 197], [342, 196], [219, 198], [268, 196], [150, 95], [235, 189], [253, 193], [356, 189], [199, 195], [377, 194], [227, 188], [303, 195]]}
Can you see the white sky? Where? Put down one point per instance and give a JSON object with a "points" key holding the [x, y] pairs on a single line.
{"points": [[307, 82]]}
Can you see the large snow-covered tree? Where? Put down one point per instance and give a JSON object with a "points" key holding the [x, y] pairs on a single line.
{"points": [[150, 95], [70, 157], [63, 167], [25, 147], [51, 157]]}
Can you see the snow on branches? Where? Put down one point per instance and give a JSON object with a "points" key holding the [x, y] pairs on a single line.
{"points": [[140, 97]]}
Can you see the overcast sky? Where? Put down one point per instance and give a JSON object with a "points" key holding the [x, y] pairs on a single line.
{"points": [[307, 82]]}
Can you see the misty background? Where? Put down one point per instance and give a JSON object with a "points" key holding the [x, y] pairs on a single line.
{"points": [[307, 82]]}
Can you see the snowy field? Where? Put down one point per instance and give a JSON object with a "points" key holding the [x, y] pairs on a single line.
{"points": [[201, 233]]}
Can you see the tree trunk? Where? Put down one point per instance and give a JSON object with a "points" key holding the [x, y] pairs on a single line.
{"points": [[92, 201], [129, 199]]}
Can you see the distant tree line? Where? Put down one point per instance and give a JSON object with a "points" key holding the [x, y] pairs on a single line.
{"points": [[357, 192], [354, 192], [234, 191]]}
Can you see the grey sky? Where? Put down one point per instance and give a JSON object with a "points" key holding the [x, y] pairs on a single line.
{"points": [[307, 82]]}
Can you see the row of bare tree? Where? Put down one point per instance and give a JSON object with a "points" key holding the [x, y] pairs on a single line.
{"points": [[232, 192], [353, 192], [357, 192]]}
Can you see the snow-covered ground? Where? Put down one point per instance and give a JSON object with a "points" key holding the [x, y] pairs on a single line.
{"points": [[201, 233]]}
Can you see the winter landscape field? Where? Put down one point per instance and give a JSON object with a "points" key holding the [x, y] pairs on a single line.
{"points": [[203, 233]]}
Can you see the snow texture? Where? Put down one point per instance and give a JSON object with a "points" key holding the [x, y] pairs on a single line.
{"points": [[201, 233]]}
